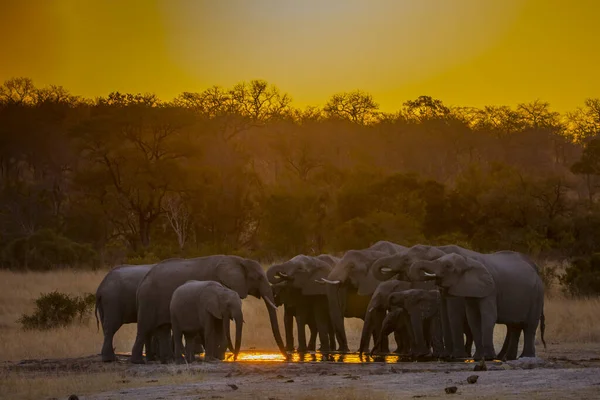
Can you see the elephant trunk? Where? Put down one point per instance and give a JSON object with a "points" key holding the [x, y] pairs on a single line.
{"points": [[419, 271], [337, 315], [267, 294], [239, 322], [382, 271]]}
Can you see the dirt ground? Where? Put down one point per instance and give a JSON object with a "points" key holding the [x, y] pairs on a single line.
{"points": [[565, 372]]}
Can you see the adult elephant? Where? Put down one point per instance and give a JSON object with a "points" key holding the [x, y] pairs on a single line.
{"points": [[376, 313], [501, 287], [301, 275], [350, 285], [244, 276], [295, 308], [453, 307], [116, 304]]}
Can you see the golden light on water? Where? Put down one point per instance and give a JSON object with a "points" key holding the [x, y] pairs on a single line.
{"points": [[351, 358]]}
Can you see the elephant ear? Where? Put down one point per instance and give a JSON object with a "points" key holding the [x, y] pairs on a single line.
{"points": [[318, 270], [367, 285], [474, 279], [213, 307], [232, 274]]}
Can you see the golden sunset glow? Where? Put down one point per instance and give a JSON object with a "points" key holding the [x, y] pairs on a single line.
{"points": [[465, 52]]}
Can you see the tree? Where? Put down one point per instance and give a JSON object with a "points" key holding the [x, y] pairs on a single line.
{"points": [[135, 149], [356, 106], [425, 107], [584, 123], [178, 215], [589, 166]]}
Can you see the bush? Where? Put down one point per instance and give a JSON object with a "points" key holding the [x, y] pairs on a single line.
{"points": [[46, 249], [583, 276], [57, 309]]}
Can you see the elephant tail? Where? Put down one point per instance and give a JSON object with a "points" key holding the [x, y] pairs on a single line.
{"points": [[543, 327], [98, 310]]}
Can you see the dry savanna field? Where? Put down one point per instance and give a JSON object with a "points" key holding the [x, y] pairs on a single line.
{"points": [[65, 361]]}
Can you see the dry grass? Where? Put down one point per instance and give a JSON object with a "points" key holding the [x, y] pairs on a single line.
{"points": [[61, 385], [568, 320]]}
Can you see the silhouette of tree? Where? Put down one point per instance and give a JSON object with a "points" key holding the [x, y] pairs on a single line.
{"points": [[356, 106], [589, 166], [425, 107]]}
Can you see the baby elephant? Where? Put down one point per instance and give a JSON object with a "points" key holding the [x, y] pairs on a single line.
{"points": [[419, 309], [204, 308]]}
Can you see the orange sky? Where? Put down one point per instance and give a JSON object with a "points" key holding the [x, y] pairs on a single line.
{"points": [[465, 52]]}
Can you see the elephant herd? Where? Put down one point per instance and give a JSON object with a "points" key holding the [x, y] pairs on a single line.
{"points": [[436, 300]]}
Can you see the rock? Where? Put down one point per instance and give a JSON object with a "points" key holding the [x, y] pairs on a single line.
{"points": [[527, 363], [73, 397], [233, 386], [289, 381], [481, 366], [451, 389], [472, 378]]}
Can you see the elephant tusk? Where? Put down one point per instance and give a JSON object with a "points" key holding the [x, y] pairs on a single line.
{"points": [[371, 309], [386, 269], [282, 274], [331, 282], [428, 274], [319, 281], [269, 302]]}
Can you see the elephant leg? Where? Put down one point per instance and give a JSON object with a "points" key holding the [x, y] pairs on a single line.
{"points": [[221, 341], [436, 336], [322, 321], [420, 348], [142, 337], [210, 340], [456, 320], [488, 315], [446, 331], [474, 320], [163, 334], [301, 322], [152, 348], [503, 354], [178, 345], [468, 338], [331, 330], [108, 353], [513, 342], [313, 332], [288, 324], [529, 340]]}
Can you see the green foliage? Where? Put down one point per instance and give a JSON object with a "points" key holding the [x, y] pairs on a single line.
{"points": [[56, 309], [582, 277], [146, 258], [46, 249]]}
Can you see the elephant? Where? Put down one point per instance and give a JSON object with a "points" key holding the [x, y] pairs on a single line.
{"points": [[376, 311], [421, 309], [116, 304], [299, 279], [244, 276], [205, 308], [502, 287], [453, 308], [350, 285], [290, 299]]}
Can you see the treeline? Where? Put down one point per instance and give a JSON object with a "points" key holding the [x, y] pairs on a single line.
{"points": [[133, 178]]}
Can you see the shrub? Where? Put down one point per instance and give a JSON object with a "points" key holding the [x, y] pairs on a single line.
{"points": [[57, 309], [582, 277], [46, 249]]}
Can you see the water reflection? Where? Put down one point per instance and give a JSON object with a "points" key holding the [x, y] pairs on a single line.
{"points": [[349, 358]]}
